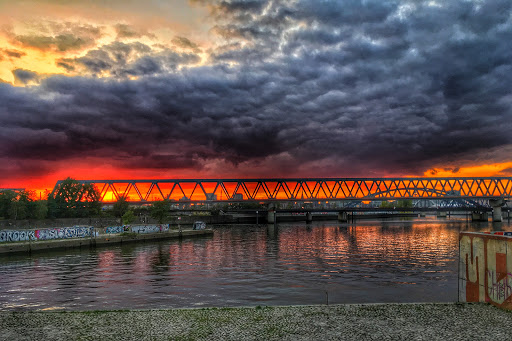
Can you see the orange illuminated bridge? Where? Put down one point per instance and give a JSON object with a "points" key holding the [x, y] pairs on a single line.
{"points": [[267, 190]]}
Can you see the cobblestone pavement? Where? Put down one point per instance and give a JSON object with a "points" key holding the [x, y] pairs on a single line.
{"points": [[449, 321]]}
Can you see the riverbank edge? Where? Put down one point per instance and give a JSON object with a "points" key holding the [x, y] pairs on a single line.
{"points": [[396, 321], [95, 241]]}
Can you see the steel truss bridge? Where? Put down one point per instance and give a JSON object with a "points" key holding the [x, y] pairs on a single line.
{"points": [[302, 189]]}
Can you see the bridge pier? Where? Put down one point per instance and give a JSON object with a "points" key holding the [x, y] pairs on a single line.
{"points": [[496, 209], [479, 216], [342, 216], [441, 214], [271, 217], [272, 231], [351, 217], [309, 217]]}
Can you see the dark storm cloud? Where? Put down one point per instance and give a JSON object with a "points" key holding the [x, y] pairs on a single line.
{"points": [[335, 87], [12, 53], [23, 77], [186, 44], [162, 161], [60, 36], [122, 60], [127, 31]]}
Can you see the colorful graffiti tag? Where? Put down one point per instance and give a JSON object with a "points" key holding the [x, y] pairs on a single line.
{"points": [[138, 228], [485, 272], [149, 228], [114, 229], [16, 236], [46, 234]]}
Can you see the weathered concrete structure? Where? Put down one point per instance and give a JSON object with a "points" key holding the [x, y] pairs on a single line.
{"points": [[479, 216], [485, 268], [271, 216], [441, 214], [309, 217], [496, 205], [342, 216]]}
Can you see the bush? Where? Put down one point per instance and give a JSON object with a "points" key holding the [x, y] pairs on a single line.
{"points": [[128, 218]]}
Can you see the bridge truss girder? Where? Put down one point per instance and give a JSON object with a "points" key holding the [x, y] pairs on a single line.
{"points": [[302, 189]]}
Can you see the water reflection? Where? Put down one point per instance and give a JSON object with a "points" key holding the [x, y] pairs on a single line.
{"points": [[368, 261]]}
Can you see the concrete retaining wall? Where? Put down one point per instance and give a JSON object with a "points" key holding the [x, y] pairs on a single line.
{"points": [[95, 240], [7, 236], [485, 268]]}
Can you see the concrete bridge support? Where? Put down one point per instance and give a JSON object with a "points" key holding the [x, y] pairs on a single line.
{"points": [[271, 217], [309, 217], [272, 231], [496, 209], [479, 216], [342, 217], [441, 214]]}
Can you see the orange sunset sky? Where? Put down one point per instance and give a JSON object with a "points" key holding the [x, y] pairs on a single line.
{"points": [[124, 89]]}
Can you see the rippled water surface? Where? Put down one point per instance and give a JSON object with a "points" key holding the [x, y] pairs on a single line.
{"points": [[248, 265]]}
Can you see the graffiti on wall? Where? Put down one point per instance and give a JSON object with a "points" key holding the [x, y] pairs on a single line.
{"points": [[64, 233], [499, 290], [46, 234], [485, 273], [150, 228], [138, 228], [115, 229], [16, 236]]}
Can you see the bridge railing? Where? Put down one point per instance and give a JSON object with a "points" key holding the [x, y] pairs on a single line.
{"points": [[328, 189]]}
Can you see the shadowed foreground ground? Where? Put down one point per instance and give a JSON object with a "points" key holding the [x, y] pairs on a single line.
{"points": [[336, 322]]}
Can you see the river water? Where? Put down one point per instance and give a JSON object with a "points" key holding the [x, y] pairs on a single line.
{"points": [[411, 260]]}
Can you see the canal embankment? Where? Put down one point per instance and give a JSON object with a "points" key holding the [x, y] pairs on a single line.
{"points": [[431, 321], [96, 240]]}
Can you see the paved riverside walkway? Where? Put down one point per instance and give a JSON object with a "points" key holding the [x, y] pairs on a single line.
{"points": [[436, 321]]}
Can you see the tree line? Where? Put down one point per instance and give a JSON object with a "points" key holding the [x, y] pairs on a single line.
{"points": [[72, 199], [21, 205]]}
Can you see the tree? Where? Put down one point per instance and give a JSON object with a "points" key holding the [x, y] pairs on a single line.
{"points": [[405, 203], [6, 199], [160, 210], [121, 206], [19, 205], [41, 209], [387, 204], [72, 199], [128, 218], [397, 204]]}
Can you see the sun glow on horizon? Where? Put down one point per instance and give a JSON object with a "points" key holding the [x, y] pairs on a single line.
{"points": [[84, 172], [495, 169]]}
